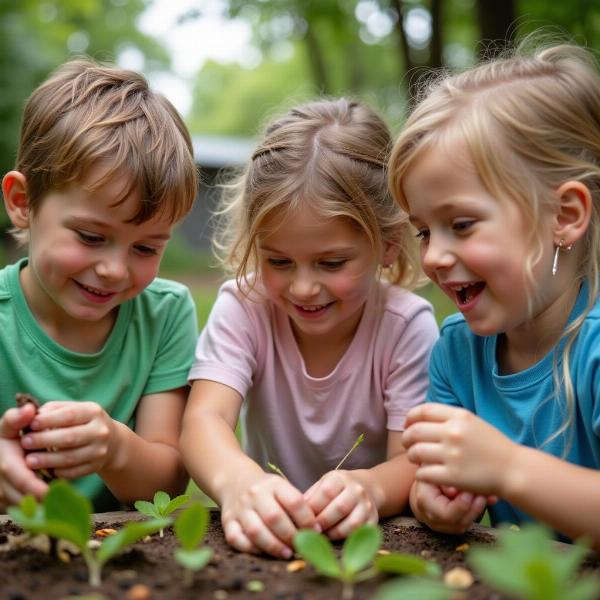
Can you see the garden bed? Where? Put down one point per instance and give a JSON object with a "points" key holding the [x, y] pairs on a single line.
{"points": [[27, 572]]}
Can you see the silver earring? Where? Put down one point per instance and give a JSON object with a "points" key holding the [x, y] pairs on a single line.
{"points": [[555, 260]]}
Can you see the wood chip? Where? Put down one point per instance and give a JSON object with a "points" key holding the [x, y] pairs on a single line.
{"points": [[383, 552], [459, 578], [426, 553], [220, 595], [462, 548], [514, 527], [295, 565], [105, 532], [138, 592]]}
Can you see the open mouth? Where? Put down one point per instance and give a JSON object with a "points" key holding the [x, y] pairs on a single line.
{"points": [[312, 310], [94, 293], [468, 292]]}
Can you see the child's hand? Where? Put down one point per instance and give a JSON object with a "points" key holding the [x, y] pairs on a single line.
{"points": [[341, 503], [446, 514], [454, 447], [79, 436], [16, 478], [264, 516]]}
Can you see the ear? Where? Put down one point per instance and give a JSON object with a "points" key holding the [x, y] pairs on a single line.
{"points": [[390, 254], [16, 202], [574, 212]]}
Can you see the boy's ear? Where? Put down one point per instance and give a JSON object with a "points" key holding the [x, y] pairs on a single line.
{"points": [[16, 202], [574, 212]]}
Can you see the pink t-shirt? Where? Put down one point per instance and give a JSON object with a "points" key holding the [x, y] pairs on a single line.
{"points": [[303, 424]]}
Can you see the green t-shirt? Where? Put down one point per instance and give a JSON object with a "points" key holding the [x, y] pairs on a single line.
{"points": [[149, 350]]}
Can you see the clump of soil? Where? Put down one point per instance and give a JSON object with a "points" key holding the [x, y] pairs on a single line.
{"points": [[29, 573]]}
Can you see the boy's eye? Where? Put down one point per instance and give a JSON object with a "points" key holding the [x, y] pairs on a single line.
{"points": [[279, 263], [90, 238], [332, 265], [462, 226]]}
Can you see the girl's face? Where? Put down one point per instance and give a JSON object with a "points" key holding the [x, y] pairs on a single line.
{"points": [[85, 258], [319, 271], [475, 246]]}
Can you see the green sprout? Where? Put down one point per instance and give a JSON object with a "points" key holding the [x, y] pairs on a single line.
{"points": [[538, 568], [357, 443], [65, 514], [162, 506], [190, 528], [359, 560]]}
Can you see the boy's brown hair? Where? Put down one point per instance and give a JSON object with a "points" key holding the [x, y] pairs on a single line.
{"points": [[87, 113]]}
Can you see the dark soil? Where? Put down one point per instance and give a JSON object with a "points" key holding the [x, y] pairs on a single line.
{"points": [[27, 573]]}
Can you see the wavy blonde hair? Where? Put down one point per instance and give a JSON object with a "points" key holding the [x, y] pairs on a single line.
{"points": [[87, 113], [530, 121], [330, 155]]}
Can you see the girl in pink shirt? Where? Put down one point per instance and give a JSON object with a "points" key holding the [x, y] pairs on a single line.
{"points": [[313, 341]]}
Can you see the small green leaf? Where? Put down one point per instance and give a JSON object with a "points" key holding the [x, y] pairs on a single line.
{"points": [[316, 549], [64, 504], [414, 589], [191, 525], [406, 564], [360, 548], [176, 503], [131, 533], [28, 513], [146, 508], [193, 560], [161, 501], [255, 586]]}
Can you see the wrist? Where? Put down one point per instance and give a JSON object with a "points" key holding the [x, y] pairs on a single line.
{"points": [[514, 468]]}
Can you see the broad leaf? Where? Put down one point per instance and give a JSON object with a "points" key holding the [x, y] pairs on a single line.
{"points": [[414, 589], [131, 533], [406, 564], [28, 513], [161, 501], [360, 548], [146, 508], [194, 560], [64, 504], [176, 503], [190, 525], [316, 549]]}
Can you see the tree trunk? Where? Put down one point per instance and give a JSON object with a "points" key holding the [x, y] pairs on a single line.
{"points": [[317, 64], [496, 20]]}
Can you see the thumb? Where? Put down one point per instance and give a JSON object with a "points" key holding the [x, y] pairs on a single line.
{"points": [[15, 419]]}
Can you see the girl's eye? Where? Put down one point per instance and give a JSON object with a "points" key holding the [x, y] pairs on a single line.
{"points": [[90, 238], [279, 263], [147, 250], [462, 226], [423, 235], [333, 265]]}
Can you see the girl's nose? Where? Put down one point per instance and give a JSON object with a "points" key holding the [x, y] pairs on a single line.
{"points": [[303, 285], [436, 255]]}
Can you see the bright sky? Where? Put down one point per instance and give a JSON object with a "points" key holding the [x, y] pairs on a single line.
{"points": [[209, 36]]}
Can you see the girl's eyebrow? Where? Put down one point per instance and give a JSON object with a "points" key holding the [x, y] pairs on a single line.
{"points": [[340, 250]]}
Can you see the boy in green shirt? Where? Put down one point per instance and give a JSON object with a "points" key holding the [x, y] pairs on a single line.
{"points": [[104, 171]]}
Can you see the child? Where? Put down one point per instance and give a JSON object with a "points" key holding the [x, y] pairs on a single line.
{"points": [[104, 170], [309, 342], [499, 169]]}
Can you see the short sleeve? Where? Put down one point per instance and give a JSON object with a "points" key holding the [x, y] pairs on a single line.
{"points": [[407, 379], [227, 349], [440, 389]]}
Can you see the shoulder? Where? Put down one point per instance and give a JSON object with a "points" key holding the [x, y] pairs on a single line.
{"points": [[402, 303], [9, 279], [164, 299], [160, 288]]}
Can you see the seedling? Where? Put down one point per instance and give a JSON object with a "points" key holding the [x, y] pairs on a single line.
{"points": [[190, 528], [359, 560], [162, 506], [66, 514], [538, 569], [357, 443]]}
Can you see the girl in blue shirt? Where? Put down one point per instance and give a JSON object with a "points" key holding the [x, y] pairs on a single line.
{"points": [[499, 169]]}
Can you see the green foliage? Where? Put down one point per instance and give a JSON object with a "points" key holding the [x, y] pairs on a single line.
{"points": [[415, 589], [528, 564], [162, 506], [190, 528], [66, 514], [359, 560]]}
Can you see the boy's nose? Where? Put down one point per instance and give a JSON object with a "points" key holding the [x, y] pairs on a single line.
{"points": [[112, 266]]}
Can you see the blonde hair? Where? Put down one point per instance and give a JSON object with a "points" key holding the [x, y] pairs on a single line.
{"points": [[530, 122], [330, 155], [86, 113]]}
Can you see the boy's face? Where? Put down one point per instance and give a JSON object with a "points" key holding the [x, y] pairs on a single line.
{"points": [[85, 258]]}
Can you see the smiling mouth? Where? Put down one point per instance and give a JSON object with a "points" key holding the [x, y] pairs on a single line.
{"points": [[94, 291], [314, 309], [467, 292]]}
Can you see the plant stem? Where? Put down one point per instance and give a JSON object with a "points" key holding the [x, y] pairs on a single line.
{"points": [[347, 590], [357, 443], [94, 569], [277, 470], [188, 578]]}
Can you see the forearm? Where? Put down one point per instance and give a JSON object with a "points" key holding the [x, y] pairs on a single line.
{"points": [[213, 456], [390, 484], [139, 467], [563, 495]]}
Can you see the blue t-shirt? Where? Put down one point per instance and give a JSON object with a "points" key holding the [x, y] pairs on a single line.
{"points": [[464, 372]]}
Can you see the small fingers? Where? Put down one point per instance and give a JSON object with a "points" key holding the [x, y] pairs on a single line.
{"points": [[430, 411], [425, 452], [297, 508], [256, 530], [359, 516]]}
